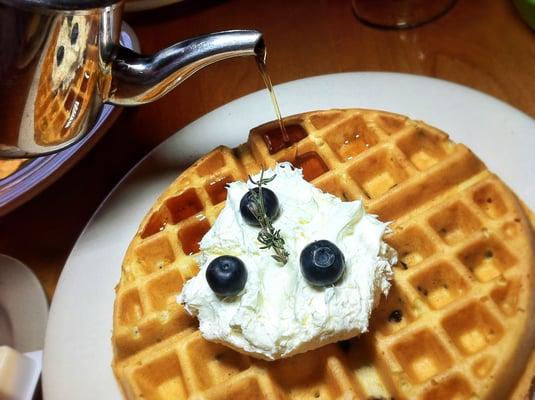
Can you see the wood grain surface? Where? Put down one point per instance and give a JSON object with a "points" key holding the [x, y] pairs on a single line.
{"points": [[483, 44]]}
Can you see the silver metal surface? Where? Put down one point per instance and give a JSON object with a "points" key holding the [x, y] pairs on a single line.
{"points": [[60, 61], [59, 5], [138, 79]]}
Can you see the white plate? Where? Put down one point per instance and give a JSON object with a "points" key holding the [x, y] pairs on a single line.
{"points": [[80, 323], [23, 307]]}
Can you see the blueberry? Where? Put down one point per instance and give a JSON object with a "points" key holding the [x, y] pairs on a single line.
{"points": [[271, 205], [226, 275], [322, 263]]}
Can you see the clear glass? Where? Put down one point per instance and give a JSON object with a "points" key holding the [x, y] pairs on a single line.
{"points": [[400, 14]]}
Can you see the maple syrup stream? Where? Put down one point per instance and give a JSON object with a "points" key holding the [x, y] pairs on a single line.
{"points": [[269, 86]]}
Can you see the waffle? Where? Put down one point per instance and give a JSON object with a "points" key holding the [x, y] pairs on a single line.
{"points": [[9, 167], [455, 325], [59, 112]]}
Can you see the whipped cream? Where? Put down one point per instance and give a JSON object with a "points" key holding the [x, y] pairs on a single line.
{"points": [[278, 313]]}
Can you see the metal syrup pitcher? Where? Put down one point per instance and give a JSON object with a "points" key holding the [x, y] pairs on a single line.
{"points": [[60, 61]]}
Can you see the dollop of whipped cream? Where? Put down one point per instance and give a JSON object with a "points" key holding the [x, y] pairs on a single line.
{"points": [[278, 313]]}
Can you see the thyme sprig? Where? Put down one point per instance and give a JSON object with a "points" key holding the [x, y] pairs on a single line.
{"points": [[268, 235]]}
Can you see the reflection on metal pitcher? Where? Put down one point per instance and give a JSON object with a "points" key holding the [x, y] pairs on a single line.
{"points": [[61, 61]]}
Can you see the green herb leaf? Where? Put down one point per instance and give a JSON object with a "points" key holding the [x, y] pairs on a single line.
{"points": [[268, 236]]}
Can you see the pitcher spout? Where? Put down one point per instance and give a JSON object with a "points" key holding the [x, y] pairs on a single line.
{"points": [[138, 79]]}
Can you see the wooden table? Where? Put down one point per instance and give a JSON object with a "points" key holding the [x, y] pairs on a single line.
{"points": [[480, 43]]}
